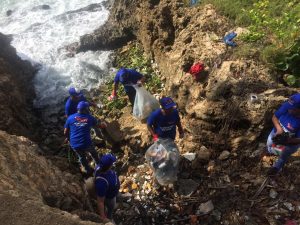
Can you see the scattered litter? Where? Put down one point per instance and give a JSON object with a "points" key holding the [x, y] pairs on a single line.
{"points": [[273, 193], [228, 39], [189, 156], [206, 207], [289, 206]]}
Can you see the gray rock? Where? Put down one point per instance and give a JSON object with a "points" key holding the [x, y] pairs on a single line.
{"points": [[289, 206], [204, 153], [189, 156], [273, 193], [187, 186], [206, 207], [224, 155], [217, 215], [9, 12]]}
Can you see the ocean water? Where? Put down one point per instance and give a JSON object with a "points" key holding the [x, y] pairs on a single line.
{"points": [[41, 35]]}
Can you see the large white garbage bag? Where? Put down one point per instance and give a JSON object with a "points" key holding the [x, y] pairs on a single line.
{"points": [[144, 103]]}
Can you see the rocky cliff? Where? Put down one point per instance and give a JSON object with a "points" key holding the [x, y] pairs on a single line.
{"points": [[226, 114], [30, 185], [176, 37], [17, 92], [32, 189]]}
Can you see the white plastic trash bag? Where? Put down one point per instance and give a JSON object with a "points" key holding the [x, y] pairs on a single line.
{"points": [[144, 103], [163, 157]]}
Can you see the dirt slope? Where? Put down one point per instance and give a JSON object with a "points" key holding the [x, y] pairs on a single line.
{"points": [[223, 126]]}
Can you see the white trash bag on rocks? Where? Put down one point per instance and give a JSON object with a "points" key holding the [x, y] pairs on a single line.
{"points": [[163, 157], [144, 103]]}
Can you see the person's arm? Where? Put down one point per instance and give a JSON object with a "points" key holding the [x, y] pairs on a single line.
{"points": [[277, 125], [150, 127], [67, 135], [114, 93], [115, 89], [101, 207]]}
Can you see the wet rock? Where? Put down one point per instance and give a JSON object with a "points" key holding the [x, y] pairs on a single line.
{"points": [[206, 207], [16, 82], [187, 186], [224, 155], [41, 7], [9, 12]]}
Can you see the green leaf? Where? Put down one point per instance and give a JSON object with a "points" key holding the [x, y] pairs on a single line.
{"points": [[282, 66], [290, 80]]}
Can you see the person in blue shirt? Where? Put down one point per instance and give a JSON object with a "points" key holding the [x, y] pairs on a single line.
{"points": [[107, 187], [77, 131], [285, 120], [127, 77], [162, 122], [76, 96]]}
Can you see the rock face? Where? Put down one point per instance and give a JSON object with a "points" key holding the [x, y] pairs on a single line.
{"points": [[217, 109], [28, 181], [17, 93], [32, 189]]}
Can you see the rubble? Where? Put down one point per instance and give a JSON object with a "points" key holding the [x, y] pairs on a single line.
{"points": [[189, 156], [273, 193], [224, 155], [187, 187], [206, 207]]}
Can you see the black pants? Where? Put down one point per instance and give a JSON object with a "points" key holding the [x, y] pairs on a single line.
{"points": [[82, 154], [131, 94]]}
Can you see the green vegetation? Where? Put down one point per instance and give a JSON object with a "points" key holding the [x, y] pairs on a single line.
{"points": [[133, 58], [274, 27]]}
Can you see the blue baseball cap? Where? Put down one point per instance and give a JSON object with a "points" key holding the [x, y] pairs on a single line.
{"points": [[124, 77], [295, 100], [107, 160], [167, 103], [83, 105], [74, 92]]}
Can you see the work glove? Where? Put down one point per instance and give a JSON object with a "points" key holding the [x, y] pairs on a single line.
{"points": [[103, 125], [281, 139], [155, 137], [113, 96]]}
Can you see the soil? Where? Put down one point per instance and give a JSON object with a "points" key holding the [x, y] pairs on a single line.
{"points": [[224, 128]]}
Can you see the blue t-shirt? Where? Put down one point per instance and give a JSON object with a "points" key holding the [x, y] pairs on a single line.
{"points": [[129, 77], [287, 120], [164, 125], [80, 126], [71, 105], [107, 184]]}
